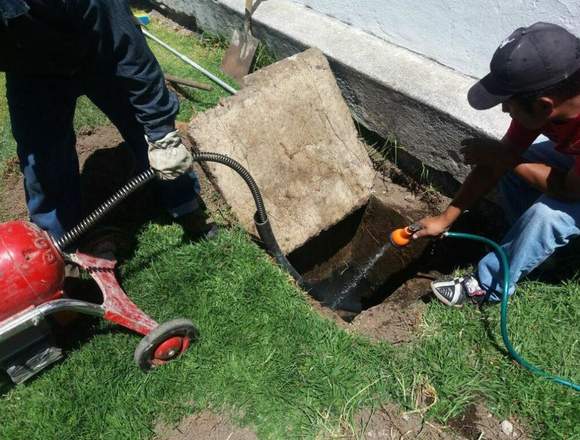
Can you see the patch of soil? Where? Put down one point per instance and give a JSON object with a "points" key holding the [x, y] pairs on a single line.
{"points": [[338, 257], [106, 164], [185, 29], [204, 426], [340, 318], [390, 423], [426, 194], [398, 318], [477, 422], [391, 296], [392, 266], [12, 203]]}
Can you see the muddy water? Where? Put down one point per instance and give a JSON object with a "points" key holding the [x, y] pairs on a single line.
{"points": [[362, 273], [354, 274]]}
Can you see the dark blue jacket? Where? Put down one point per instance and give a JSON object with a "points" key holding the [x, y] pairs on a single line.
{"points": [[11, 9], [87, 38]]}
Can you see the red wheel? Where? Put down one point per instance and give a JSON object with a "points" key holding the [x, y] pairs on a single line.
{"points": [[164, 343]]}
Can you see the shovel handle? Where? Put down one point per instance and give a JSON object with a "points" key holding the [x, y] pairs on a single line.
{"points": [[187, 82], [248, 17]]}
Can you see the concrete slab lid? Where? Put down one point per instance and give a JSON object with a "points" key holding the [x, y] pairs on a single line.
{"points": [[290, 127]]}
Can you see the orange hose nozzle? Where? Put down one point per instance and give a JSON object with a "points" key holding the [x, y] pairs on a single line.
{"points": [[401, 237]]}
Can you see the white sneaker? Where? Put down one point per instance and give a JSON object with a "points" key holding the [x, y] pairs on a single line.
{"points": [[457, 291]]}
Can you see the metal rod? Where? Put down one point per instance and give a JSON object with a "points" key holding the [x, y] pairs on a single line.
{"points": [[187, 82], [192, 63], [30, 318]]}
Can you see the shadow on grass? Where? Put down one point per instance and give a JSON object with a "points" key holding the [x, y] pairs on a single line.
{"points": [[488, 327], [104, 172]]}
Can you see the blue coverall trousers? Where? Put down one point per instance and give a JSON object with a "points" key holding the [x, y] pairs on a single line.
{"points": [[42, 111], [117, 71]]}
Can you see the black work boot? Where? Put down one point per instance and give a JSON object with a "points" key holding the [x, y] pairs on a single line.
{"points": [[105, 242], [197, 225]]}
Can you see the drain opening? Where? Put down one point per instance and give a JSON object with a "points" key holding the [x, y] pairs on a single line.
{"points": [[351, 268]]}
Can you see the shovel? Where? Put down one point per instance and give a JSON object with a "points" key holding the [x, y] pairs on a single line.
{"points": [[240, 54]]}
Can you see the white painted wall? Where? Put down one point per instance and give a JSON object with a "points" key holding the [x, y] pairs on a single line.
{"points": [[462, 34]]}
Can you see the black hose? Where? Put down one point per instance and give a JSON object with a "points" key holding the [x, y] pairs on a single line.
{"points": [[267, 235], [244, 174], [260, 217], [134, 184]]}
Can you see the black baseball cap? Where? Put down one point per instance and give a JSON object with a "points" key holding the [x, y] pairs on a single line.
{"points": [[530, 59]]}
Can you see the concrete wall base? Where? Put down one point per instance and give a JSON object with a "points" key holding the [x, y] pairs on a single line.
{"points": [[390, 90]]}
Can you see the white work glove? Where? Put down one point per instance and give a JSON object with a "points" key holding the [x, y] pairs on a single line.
{"points": [[169, 157]]}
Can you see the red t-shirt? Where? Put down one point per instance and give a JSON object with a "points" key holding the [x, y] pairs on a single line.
{"points": [[566, 136]]}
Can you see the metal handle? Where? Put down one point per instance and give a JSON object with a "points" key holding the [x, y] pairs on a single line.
{"points": [[248, 17], [193, 64], [415, 227]]}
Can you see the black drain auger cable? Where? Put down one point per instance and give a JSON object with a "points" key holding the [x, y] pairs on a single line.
{"points": [[260, 217]]}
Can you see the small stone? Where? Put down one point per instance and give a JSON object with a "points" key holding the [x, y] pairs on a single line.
{"points": [[507, 427]]}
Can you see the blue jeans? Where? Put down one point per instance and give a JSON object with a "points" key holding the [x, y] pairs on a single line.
{"points": [[41, 112], [539, 224]]}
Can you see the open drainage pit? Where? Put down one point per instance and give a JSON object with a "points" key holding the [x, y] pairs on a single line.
{"points": [[352, 266]]}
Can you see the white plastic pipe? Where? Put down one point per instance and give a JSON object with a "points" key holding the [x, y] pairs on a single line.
{"points": [[192, 63]]}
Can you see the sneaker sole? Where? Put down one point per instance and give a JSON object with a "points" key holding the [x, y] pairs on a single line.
{"points": [[444, 300]]}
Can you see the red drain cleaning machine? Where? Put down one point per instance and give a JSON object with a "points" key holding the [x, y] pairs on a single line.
{"points": [[32, 272]]}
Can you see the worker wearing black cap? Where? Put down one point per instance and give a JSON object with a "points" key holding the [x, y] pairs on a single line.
{"points": [[535, 76], [54, 51]]}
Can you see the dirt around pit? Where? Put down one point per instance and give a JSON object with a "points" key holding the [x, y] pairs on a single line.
{"points": [[398, 318], [388, 301], [391, 423], [477, 422], [204, 426]]}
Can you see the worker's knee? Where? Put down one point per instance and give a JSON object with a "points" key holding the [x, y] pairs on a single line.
{"points": [[543, 213], [552, 215]]}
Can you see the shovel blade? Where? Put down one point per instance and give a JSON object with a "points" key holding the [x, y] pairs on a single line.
{"points": [[239, 56]]}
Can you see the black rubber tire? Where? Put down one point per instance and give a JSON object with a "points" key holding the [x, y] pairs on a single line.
{"points": [[178, 327]]}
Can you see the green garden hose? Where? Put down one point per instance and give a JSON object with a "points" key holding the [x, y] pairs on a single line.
{"points": [[504, 310]]}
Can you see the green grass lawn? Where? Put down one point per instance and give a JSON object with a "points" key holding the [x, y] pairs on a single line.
{"points": [[266, 356]]}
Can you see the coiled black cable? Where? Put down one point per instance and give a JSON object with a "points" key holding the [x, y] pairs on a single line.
{"points": [[244, 174], [260, 217], [85, 224]]}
